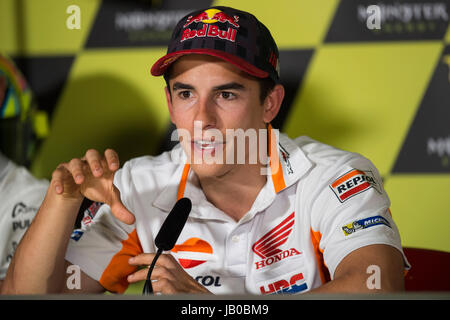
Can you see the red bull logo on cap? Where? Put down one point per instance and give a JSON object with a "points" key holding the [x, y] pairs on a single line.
{"points": [[213, 16], [209, 18]]}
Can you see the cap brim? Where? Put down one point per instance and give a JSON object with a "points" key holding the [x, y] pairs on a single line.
{"points": [[161, 66]]}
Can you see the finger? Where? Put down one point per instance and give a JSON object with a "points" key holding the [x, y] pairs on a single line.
{"points": [[112, 159], [76, 168], [143, 259], [168, 261], [137, 276], [164, 286], [158, 273], [57, 178], [94, 160], [162, 273], [119, 210]]}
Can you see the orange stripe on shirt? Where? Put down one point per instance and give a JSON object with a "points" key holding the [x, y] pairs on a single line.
{"points": [[114, 277], [182, 185], [323, 269], [275, 164]]}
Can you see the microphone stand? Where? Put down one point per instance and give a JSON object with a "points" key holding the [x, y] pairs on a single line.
{"points": [[148, 288]]}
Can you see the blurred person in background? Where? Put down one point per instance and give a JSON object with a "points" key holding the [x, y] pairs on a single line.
{"points": [[21, 193]]}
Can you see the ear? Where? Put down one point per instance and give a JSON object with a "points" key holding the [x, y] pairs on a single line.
{"points": [[169, 104], [273, 102]]}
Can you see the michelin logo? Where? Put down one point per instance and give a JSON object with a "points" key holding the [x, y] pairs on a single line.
{"points": [[364, 224]]}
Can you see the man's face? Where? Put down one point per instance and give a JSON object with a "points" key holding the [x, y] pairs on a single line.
{"points": [[209, 99]]}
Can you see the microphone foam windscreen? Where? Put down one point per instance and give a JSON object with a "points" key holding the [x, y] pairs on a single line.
{"points": [[174, 223]]}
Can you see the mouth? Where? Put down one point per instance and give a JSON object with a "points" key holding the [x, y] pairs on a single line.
{"points": [[207, 146]]}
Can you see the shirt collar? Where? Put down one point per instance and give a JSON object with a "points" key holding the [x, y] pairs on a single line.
{"points": [[287, 165]]}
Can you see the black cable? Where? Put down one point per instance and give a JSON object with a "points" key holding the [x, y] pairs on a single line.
{"points": [[148, 289]]}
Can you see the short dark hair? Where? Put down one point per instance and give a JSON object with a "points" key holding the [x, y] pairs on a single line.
{"points": [[266, 85]]}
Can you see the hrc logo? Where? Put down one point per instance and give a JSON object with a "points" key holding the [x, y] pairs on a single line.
{"points": [[296, 284]]}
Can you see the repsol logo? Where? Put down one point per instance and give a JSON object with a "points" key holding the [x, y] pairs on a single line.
{"points": [[353, 183], [209, 281]]}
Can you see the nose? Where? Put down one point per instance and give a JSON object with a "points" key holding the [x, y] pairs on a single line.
{"points": [[205, 114]]}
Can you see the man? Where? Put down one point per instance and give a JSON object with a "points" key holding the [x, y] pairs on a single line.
{"points": [[21, 194], [307, 217]]}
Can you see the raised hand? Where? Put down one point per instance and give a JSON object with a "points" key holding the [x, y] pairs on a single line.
{"points": [[92, 177]]}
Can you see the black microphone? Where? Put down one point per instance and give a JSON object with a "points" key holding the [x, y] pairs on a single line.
{"points": [[168, 234], [174, 223]]}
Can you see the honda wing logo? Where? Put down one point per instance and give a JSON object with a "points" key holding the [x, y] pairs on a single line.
{"points": [[268, 247]]}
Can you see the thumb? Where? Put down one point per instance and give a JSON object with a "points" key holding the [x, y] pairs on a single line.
{"points": [[119, 210]]}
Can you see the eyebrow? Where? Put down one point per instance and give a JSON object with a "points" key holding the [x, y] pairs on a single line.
{"points": [[181, 86], [227, 86]]}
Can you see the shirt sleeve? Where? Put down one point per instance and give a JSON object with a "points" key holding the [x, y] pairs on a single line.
{"points": [[102, 249], [351, 210], [103, 245], [21, 194]]}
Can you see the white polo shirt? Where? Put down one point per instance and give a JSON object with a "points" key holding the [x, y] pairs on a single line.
{"points": [[21, 195], [323, 204]]}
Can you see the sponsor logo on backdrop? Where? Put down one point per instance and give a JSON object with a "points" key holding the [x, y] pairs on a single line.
{"points": [[405, 17], [193, 252], [353, 183], [439, 147], [147, 25], [269, 247], [141, 20], [364, 224], [133, 24], [389, 20]]}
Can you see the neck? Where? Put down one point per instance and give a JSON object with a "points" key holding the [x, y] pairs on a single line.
{"points": [[235, 191]]}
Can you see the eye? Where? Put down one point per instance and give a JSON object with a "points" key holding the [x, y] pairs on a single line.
{"points": [[186, 94], [227, 95]]}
